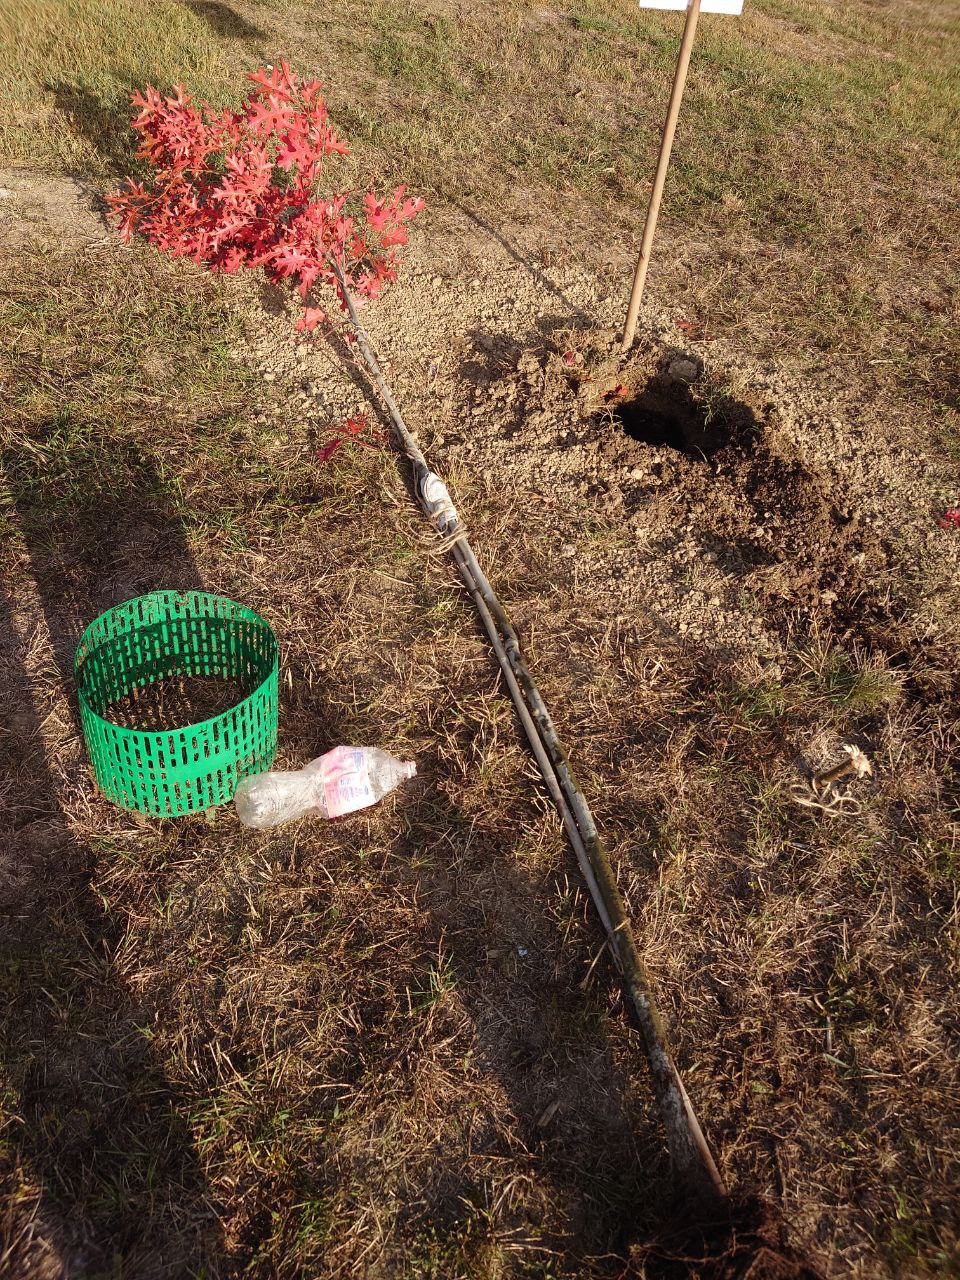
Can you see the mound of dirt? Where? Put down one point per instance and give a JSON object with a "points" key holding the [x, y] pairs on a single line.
{"points": [[688, 485], [723, 514]]}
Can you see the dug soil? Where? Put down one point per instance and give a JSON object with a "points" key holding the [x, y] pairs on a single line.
{"points": [[724, 500]]}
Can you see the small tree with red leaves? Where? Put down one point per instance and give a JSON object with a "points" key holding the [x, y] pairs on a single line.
{"points": [[245, 188]]}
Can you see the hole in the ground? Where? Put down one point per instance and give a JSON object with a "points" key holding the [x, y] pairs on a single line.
{"points": [[669, 413]]}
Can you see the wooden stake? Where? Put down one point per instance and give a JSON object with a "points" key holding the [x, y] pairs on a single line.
{"points": [[666, 145]]}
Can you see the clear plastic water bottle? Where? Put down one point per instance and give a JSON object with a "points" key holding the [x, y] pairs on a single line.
{"points": [[342, 781]]}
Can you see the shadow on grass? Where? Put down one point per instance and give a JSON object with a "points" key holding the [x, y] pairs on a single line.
{"points": [[104, 121], [521, 949], [580, 1107], [94, 1128], [224, 21], [105, 124]]}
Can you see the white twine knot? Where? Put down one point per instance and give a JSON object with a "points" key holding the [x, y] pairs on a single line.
{"points": [[438, 504]]}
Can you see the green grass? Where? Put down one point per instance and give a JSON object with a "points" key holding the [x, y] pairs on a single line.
{"points": [[97, 411], [70, 67], [842, 686]]}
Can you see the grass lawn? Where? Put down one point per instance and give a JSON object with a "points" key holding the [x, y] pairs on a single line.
{"points": [[817, 165], [394, 1046]]}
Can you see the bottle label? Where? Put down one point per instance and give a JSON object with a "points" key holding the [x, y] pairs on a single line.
{"points": [[346, 781]]}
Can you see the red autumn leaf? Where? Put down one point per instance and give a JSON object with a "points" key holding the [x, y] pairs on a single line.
{"points": [[310, 319], [694, 330], [269, 116], [619, 392], [288, 259], [356, 428], [243, 188], [278, 82], [326, 452], [950, 518]]}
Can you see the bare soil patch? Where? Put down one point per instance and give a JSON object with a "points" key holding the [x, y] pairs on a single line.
{"points": [[724, 497], [52, 207]]}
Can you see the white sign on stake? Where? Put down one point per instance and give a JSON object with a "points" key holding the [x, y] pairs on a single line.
{"points": [[694, 8]]}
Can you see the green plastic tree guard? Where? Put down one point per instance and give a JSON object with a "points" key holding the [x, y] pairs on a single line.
{"points": [[156, 637]]}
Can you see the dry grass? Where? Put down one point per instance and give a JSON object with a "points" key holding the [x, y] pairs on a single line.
{"points": [[813, 196], [323, 1049], [388, 1047], [332, 1050]]}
